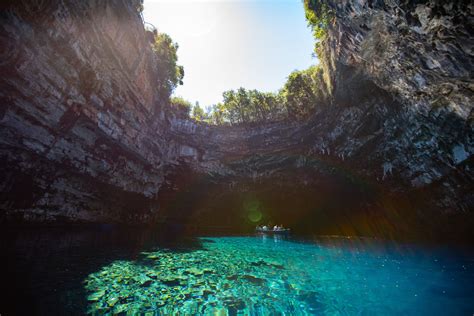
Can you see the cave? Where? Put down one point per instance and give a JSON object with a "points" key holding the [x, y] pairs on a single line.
{"points": [[116, 200]]}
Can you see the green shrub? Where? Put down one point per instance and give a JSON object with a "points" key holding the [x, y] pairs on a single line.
{"points": [[319, 15], [170, 75], [302, 92], [181, 107], [199, 114]]}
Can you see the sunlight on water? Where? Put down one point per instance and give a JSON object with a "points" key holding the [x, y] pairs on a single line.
{"points": [[270, 275]]}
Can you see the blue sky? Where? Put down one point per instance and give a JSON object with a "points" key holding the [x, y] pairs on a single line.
{"points": [[228, 44]]}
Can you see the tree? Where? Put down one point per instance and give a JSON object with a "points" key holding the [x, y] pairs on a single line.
{"points": [[232, 106], [318, 14], [218, 114], [245, 106], [181, 107], [170, 75], [199, 114], [302, 92]]}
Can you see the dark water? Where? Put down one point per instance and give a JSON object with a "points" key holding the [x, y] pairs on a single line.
{"points": [[105, 271]]}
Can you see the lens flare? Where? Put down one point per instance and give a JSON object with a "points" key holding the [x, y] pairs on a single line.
{"points": [[252, 208], [254, 216]]}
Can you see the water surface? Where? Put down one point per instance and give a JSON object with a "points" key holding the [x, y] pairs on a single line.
{"points": [[105, 273]]}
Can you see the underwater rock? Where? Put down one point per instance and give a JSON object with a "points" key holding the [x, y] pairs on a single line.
{"points": [[195, 271], [146, 283], [153, 257], [112, 301], [152, 274], [253, 279], [316, 286], [121, 308], [172, 280], [141, 279], [234, 303], [160, 303], [269, 264], [96, 295]]}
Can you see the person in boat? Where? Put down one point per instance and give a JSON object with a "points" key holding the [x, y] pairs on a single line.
{"points": [[279, 228]]}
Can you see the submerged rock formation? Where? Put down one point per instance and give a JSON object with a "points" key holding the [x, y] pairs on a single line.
{"points": [[85, 136]]}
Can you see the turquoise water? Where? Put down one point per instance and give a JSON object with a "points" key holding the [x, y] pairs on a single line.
{"points": [[270, 275]]}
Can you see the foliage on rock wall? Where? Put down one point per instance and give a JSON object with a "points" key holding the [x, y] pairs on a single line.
{"points": [[170, 74], [198, 113], [181, 107], [319, 15], [302, 92]]}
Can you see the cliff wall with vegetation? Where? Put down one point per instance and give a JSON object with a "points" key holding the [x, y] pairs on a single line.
{"points": [[395, 138], [82, 121], [87, 136]]}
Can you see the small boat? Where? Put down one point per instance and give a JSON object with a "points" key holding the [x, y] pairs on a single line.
{"points": [[271, 231]]}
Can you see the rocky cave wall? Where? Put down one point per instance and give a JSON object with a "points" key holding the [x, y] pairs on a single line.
{"points": [[86, 137], [398, 132], [420, 54], [83, 130]]}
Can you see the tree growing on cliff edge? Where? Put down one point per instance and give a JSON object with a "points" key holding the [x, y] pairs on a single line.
{"points": [[303, 92], [245, 106], [199, 114], [318, 14], [299, 97], [170, 74], [181, 107]]}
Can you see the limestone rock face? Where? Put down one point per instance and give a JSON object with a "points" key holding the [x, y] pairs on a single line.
{"points": [[419, 55], [85, 136], [401, 115], [82, 128]]}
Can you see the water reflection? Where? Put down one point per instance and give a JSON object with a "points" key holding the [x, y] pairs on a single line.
{"points": [[272, 237]]}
